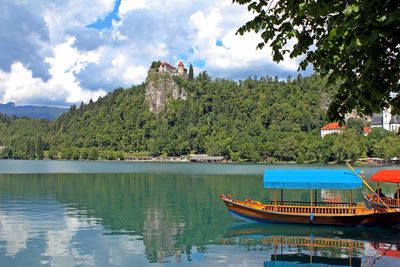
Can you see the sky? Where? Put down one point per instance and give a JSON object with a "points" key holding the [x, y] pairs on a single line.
{"points": [[62, 52]]}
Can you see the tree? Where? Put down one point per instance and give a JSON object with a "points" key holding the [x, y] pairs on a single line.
{"points": [[349, 145], [203, 76], [155, 65], [191, 73], [93, 154], [39, 147], [85, 153], [356, 124], [353, 42], [53, 154], [388, 147], [110, 155], [66, 153], [119, 155], [374, 137], [75, 154], [82, 108]]}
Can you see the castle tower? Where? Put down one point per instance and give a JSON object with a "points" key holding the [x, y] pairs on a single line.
{"points": [[181, 68]]}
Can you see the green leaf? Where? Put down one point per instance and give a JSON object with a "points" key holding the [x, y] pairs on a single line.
{"points": [[382, 18], [332, 34], [351, 9], [357, 41], [336, 58], [302, 8]]}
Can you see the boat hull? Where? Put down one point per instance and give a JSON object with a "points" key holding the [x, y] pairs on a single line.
{"points": [[385, 219]]}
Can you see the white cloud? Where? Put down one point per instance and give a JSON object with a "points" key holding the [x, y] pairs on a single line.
{"points": [[129, 5], [130, 74], [135, 75], [161, 6], [207, 27], [21, 87], [59, 59], [237, 51], [64, 15]]}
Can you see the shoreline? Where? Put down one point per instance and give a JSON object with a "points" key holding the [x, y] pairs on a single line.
{"points": [[211, 162]]}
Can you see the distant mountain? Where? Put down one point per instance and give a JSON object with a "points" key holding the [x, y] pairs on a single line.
{"points": [[39, 112]]}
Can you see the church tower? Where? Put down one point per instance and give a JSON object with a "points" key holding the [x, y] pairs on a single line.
{"points": [[387, 116]]}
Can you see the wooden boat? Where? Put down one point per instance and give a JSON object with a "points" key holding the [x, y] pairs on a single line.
{"points": [[378, 202], [312, 212]]}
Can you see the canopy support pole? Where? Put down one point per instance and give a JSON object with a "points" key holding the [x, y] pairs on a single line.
{"points": [[275, 208], [315, 195], [281, 195], [351, 201], [398, 193], [311, 206]]}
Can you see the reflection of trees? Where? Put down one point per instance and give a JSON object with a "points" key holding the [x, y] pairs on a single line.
{"points": [[158, 234], [172, 213]]}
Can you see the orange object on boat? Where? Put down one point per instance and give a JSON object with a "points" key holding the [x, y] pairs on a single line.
{"points": [[387, 176]]}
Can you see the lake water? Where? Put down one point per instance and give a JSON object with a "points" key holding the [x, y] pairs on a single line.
{"points": [[66, 213]]}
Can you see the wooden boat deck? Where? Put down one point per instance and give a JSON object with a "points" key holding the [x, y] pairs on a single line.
{"points": [[305, 208]]}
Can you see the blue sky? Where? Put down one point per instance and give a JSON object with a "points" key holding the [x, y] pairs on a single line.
{"points": [[61, 52], [107, 20]]}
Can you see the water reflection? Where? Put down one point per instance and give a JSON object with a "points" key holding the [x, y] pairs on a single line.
{"points": [[60, 236], [284, 245], [107, 220], [141, 219]]}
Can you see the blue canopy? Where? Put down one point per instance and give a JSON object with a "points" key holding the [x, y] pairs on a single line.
{"points": [[311, 179]]}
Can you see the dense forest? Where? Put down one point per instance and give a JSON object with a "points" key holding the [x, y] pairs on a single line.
{"points": [[258, 119]]}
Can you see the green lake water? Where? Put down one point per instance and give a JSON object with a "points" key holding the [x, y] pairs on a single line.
{"points": [[80, 213]]}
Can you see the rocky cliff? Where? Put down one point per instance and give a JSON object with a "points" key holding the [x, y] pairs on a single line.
{"points": [[160, 88]]}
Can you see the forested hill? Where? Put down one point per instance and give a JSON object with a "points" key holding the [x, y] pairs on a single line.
{"points": [[241, 122], [251, 120]]}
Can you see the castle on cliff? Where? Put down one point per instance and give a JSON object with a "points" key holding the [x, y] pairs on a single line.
{"points": [[180, 71]]}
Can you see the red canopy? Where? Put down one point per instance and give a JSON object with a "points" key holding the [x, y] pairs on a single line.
{"points": [[389, 176]]}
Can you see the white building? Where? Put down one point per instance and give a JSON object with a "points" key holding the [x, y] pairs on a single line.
{"points": [[334, 127], [331, 128], [386, 120]]}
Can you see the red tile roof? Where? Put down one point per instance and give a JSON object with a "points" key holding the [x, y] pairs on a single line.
{"points": [[180, 63], [332, 126], [165, 63]]}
